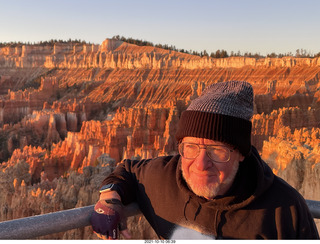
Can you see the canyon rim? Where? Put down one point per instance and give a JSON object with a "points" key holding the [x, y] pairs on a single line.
{"points": [[69, 112]]}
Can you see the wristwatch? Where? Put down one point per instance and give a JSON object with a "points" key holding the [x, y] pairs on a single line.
{"points": [[109, 187]]}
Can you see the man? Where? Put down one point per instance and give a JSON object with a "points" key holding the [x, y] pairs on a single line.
{"points": [[218, 185]]}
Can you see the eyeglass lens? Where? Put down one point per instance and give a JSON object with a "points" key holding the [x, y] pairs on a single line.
{"points": [[216, 153]]}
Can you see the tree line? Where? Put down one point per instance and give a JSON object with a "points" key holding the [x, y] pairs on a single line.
{"points": [[42, 43], [300, 53], [217, 54]]}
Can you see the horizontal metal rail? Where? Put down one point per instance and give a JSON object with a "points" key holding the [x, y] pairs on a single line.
{"points": [[314, 207], [45, 224]]}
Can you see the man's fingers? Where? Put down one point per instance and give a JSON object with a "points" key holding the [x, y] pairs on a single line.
{"points": [[103, 237], [107, 237], [126, 234]]}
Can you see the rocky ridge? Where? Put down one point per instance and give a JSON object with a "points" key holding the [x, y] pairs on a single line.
{"points": [[68, 112], [113, 54]]}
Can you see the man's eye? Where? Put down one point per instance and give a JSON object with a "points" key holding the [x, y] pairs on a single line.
{"points": [[217, 150], [190, 147]]}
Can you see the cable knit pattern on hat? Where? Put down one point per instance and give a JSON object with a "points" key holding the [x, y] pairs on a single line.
{"points": [[233, 98]]}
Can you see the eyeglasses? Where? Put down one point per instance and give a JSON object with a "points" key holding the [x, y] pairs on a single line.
{"points": [[217, 153]]}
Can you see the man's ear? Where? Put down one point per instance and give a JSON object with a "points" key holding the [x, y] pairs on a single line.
{"points": [[241, 157]]}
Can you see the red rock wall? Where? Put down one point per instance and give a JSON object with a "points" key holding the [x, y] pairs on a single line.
{"points": [[68, 111]]}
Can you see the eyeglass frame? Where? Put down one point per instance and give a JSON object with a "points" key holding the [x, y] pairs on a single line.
{"points": [[203, 146]]}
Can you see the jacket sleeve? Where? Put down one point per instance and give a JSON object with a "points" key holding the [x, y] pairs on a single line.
{"points": [[306, 228], [125, 177]]}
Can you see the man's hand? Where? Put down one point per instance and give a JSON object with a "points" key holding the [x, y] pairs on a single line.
{"points": [[108, 219]]}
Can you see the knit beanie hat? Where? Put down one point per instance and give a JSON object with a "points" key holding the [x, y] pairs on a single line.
{"points": [[222, 113]]}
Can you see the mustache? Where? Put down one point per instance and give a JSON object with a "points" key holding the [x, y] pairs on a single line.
{"points": [[205, 172]]}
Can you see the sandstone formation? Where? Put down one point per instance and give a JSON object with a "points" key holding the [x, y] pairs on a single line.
{"points": [[113, 54], [20, 198], [69, 112]]}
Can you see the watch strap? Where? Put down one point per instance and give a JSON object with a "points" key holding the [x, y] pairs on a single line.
{"points": [[113, 201]]}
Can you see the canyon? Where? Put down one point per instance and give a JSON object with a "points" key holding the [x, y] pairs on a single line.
{"points": [[70, 112]]}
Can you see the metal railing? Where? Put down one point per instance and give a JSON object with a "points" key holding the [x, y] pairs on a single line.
{"points": [[45, 224]]}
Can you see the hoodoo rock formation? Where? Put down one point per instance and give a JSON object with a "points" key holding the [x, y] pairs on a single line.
{"points": [[70, 112]]}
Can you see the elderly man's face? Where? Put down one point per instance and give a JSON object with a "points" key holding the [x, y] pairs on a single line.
{"points": [[206, 177]]}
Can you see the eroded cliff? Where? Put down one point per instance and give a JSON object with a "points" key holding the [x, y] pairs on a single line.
{"points": [[69, 111]]}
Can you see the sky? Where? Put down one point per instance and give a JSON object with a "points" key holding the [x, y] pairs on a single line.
{"points": [[256, 26]]}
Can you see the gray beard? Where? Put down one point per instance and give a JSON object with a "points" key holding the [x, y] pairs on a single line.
{"points": [[212, 190]]}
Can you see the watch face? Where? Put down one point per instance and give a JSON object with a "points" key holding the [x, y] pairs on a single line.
{"points": [[107, 187]]}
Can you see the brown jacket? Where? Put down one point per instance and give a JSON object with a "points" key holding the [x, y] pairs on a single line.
{"points": [[259, 205]]}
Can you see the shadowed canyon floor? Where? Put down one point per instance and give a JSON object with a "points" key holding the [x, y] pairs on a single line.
{"points": [[68, 113]]}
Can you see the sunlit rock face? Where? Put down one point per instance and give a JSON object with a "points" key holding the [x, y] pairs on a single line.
{"points": [[70, 112]]}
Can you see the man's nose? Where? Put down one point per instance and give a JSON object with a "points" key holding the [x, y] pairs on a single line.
{"points": [[203, 162]]}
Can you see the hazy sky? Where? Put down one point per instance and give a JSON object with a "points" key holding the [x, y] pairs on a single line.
{"points": [[261, 26]]}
